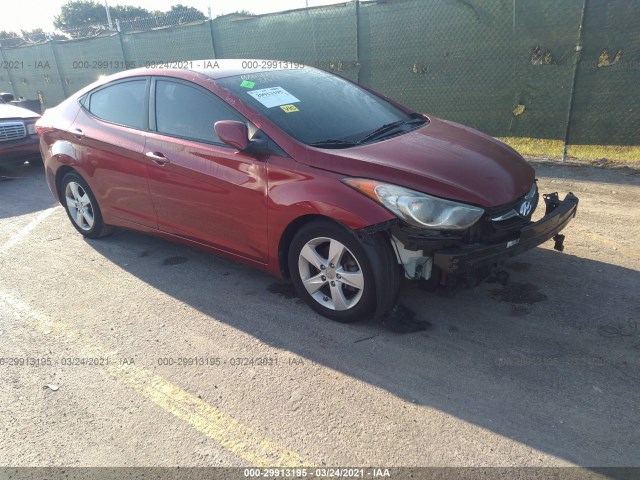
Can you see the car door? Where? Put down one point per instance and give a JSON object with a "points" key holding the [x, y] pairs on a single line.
{"points": [[109, 136], [202, 189]]}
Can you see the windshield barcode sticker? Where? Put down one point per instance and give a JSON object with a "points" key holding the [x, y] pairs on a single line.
{"points": [[273, 97]]}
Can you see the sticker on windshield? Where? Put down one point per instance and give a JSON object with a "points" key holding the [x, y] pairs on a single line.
{"points": [[289, 108], [273, 96], [247, 84]]}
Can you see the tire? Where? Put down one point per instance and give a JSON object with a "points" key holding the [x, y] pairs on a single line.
{"points": [[338, 274], [82, 207]]}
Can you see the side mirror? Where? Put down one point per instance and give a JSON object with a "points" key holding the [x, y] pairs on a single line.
{"points": [[7, 97], [233, 133]]}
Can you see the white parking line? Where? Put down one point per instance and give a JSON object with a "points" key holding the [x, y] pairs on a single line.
{"points": [[17, 238]]}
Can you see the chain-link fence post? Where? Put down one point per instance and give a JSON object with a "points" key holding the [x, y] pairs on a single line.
{"points": [[213, 42], [6, 67], [358, 40], [126, 59], [578, 57], [57, 62]]}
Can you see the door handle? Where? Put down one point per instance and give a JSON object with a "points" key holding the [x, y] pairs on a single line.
{"points": [[158, 158], [78, 133]]}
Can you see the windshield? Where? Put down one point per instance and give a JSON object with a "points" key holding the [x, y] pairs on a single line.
{"points": [[315, 107]]}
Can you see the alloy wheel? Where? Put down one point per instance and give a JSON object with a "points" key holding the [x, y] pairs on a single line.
{"points": [[331, 273], [79, 205]]}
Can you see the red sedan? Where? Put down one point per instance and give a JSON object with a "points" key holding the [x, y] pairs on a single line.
{"points": [[298, 172]]}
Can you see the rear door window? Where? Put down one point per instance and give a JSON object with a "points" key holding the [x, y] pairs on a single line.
{"points": [[122, 103]]}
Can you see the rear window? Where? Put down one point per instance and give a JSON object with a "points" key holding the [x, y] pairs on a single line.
{"points": [[314, 106]]}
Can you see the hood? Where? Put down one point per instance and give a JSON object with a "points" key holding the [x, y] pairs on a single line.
{"points": [[443, 159], [11, 111]]}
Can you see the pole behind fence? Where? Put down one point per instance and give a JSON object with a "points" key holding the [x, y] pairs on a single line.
{"points": [[57, 62], [213, 42], [124, 53], [6, 65], [358, 41], [573, 82]]}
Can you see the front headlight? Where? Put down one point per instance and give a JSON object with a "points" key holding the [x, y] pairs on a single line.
{"points": [[31, 128], [417, 208]]}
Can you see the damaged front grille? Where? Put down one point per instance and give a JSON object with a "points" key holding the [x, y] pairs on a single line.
{"points": [[498, 223], [515, 214]]}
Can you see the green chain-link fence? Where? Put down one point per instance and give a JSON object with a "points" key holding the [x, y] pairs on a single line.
{"points": [[542, 69]]}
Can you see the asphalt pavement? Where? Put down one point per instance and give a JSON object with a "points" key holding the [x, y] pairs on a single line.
{"points": [[133, 351]]}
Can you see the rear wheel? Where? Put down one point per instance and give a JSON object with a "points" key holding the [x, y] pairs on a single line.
{"points": [[82, 207], [333, 271]]}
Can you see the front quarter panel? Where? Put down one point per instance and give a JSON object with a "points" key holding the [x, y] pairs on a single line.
{"points": [[296, 190]]}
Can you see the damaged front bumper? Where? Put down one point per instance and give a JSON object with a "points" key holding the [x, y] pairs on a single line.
{"points": [[463, 259]]}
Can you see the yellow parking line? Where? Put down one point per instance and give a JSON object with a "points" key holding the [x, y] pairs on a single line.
{"points": [[222, 428]]}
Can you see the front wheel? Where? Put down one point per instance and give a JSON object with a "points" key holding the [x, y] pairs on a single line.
{"points": [[335, 273], [82, 207]]}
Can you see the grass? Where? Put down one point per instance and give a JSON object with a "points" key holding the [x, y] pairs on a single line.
{"points": [[542, 147]]}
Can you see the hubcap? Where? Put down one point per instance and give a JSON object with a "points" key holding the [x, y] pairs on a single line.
{"points": [[331, 274], [79, 205]]}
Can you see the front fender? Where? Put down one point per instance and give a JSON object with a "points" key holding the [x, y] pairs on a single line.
{"points": [[296, 195]]}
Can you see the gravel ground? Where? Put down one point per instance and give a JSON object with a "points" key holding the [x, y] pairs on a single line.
{"points": [[542, 372]]}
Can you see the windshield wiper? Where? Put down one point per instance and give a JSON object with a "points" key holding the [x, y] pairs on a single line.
{"points": [[333, 143], [389, 126], [337, 143]]}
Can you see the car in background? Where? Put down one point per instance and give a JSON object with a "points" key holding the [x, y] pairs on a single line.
{"points": [[18, 139], [298, 172]]}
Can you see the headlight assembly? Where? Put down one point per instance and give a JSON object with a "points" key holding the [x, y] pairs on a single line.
{"points": [[417, 208]]}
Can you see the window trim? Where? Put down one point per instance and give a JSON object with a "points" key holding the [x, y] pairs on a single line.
{"points": [[85, 102], [153, 127]]}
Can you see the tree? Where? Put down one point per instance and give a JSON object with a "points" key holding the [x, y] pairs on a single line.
{"points": [[81, 13], [84, 13], [38, 35], [78, 13], [185, 14], [237, 13], [29, 36], [127, 12]]}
